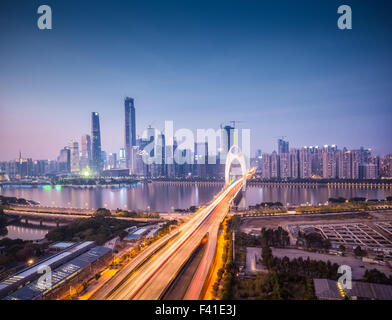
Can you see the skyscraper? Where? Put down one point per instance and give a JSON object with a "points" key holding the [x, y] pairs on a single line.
{"points": [[130, 129], [283, 146], [64, 160], [96, 162], [330, 166], [275, 165], [305, 163], [86, 151], [284, 166], [74, 154], [228, 138], [266, 166]]}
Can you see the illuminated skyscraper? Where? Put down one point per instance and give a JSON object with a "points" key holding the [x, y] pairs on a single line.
{"points": [[130, 129], [96, 162], [86, 151]]}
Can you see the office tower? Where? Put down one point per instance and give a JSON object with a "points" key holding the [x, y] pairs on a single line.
{"points": [[40, 167], [64, 160], [200, 160], [74, 156], [96, 162], [294, 163], [86, 151], [104, 159], [122, 164], [21, 167], [136, 161], [228, 138], [266, 166], [305, 164], [112, 161], [130, 129], [257, 161], [284, 166], [283, 146], [275, 171]]}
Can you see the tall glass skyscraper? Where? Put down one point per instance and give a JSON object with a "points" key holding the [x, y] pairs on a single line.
{"points": [[130, 129], [96, 162]]}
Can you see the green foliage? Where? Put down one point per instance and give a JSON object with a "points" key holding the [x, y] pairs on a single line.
{"points": [[19, 250], [134, 214], [102, 212], [314, 240], [359, 252], [376, 276], [275, 238], [97, 228], [3, 223], [166, 227]]}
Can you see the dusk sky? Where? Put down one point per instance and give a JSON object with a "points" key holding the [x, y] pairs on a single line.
{"points": [[282, 67]]}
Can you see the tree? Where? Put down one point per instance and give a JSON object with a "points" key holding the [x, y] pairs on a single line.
{"points": [[375, 276], [275, 294], [102, 212], [3, 223], [359, 252]]}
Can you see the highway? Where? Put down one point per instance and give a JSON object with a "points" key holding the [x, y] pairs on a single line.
{"points": [[195, 289], [150, 279]]}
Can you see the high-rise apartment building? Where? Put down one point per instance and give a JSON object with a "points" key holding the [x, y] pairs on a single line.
{"points": [[275, 165], [330, 168], [386, 166], [305, 164], [285, 165], [283, 146], [294, 163], [344, 164]]}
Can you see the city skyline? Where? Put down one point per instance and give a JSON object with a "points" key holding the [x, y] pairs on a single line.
{"points": [[327, 86], [227, 152]]}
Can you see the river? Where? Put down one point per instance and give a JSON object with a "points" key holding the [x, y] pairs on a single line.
{"points": [[165, 198]]}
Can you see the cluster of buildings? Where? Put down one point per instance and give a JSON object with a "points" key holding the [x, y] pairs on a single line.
{"points": [[65, 269], [326, 162], [86, 158]]}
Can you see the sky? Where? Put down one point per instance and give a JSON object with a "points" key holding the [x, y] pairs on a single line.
{"points": [[283, 68]]}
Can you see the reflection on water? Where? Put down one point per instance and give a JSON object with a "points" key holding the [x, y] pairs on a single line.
{"points": [[165, 198], [155, 197], [25, 233], [297, 195]]}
